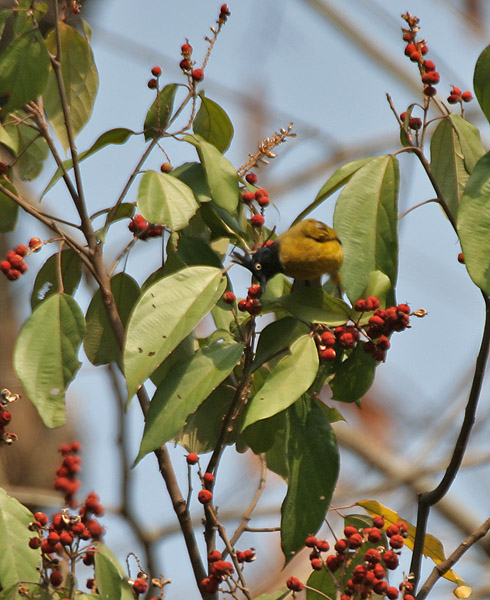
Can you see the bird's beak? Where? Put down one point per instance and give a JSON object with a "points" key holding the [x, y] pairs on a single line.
{"points": [[243, 259]]}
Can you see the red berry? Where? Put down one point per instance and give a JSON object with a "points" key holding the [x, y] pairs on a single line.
{"points": [[453, 99], [214, 555], [152, 83], [242, 305], [294, 584], [396, 542], [380, 587], [415, 57], [257, 220], [316, 564], [260, 193], [192, 458], [390, 559], [431, 77], [248, 197], [328, 338], [156, 71], [410, 49], [383, 343], [311, 541], [407, 36], [430, 91], [372, 302], [5, 417], [184, 64], [197, 74], [56, 578], [333, 563], [374, 535], [229, 297], [15, 260], [66, 538], [263, 201], [210, 584], [415, 123], [467, 96], [355, 541], [140, 585], [22, 249], [41, 517], [34, 543], [221, 568], [323, 545], [372, 555], [208, 478], [34, 243], [424, 49], [429, 65], [340, 546], [186, 49], [5, 266], [460, 260], [225, 10], [391, 593], [360, 306], [254, 291], [251, 178], [205, 496], [165, 167], [13, 274], [327, 354]]}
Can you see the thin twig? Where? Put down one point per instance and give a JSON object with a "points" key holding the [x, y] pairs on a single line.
{"points": [[442, 568]]}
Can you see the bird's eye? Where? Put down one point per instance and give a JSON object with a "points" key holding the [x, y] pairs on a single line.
{"points": [[258, 266]]}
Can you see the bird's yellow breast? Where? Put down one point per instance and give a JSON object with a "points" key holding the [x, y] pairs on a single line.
{"points": [[310, 249]]}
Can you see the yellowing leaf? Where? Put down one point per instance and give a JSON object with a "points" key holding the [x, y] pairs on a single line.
{"points": [[432, 546], [462, 591]]}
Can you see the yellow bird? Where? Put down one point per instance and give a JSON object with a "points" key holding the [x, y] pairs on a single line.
{"points": [[306, 251]]}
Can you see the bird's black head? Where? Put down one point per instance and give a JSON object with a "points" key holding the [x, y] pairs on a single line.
{"points": [[263, 264]]}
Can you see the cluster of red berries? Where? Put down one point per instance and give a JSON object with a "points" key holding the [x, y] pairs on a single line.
{"points": [[14, 265], [368, 577], [187, 64], [251, 303], [6, 397], [457, 96], [219, 569], [416, 50], [143, 230], [153, 82], [382, 324], [64, 534], [261, 196]]}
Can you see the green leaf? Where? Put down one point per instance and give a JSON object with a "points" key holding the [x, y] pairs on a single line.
{"points": [[220, 174], [283, 386], [46, 355], [80, 81], [166, 313], [213, 124], [18, 562], [159, 114], [47, 280], [474, 224], [481, 81], [9, 210], [24, 69], [100, 344], [341, 176], [183, 390], [33, 150], [354, 377], [190, 251], [263, 435], [9, 139], [313, 471], [109, 583], [312, 305], [193, 175], [119, 135], [167, 200], [378, 285], [116, 567], [322, 581], [279, 595], [366, 219], [276, 337], [182, 354], [470, 140]]}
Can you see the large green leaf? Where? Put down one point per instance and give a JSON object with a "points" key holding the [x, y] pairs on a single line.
{"points": [[9, 210], [284, 384], [48, 278], [18, 562], [481, 81], [46, 355], [24, 69], [80, 81], [313, 471], [119, 135], [193, 175], [33, 149], [166, 313], [333, 183], [366, 219], [315, 306], [100, 343], [277, 337], [474, 224], [213, 124], [159, 114], [167, 200], [354, 377], [470, 139], [220, 174], [324, 582], [109, 582], [109, 567], [183, 390]]}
